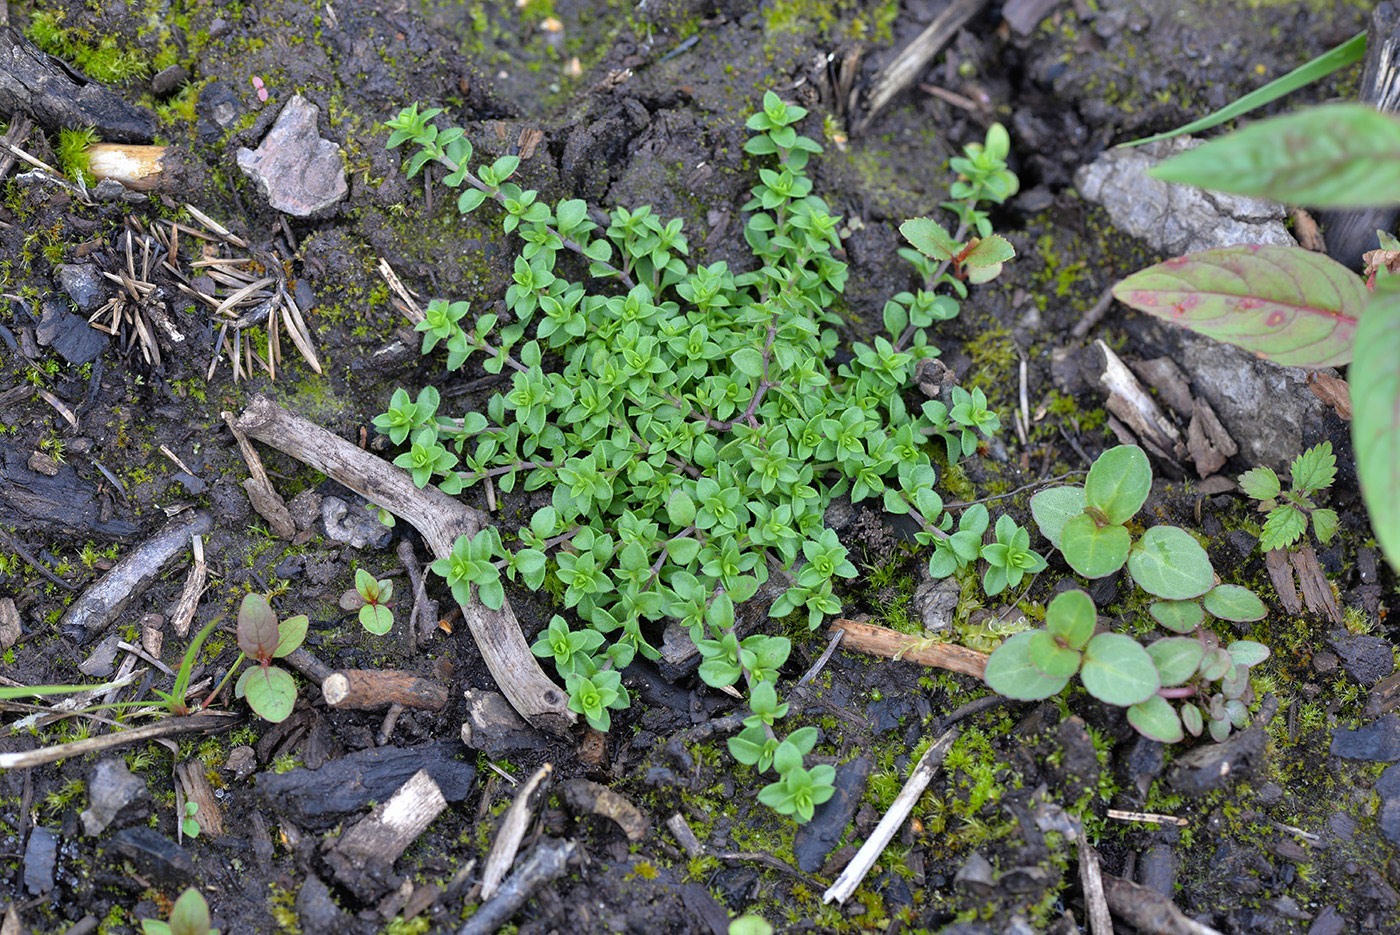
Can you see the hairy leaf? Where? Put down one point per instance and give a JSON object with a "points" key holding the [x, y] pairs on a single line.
{"points": [[1295, 307]]}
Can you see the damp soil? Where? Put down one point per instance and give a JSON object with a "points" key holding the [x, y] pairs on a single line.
{"points": [[626, 104]]}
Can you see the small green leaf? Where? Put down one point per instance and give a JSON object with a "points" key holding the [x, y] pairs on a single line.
{"points": [[682, 551], [190, 914], [1181, 616], [680, 509], [989, 251], [930, 238], [271, 692], [1092, 550], [1011, 673], [1047, 655], [1168, 562], [1156, 719], [1054, 507], [1071, 617], [376, 618], [1216, 664], [1118, 671], [1176, 658], [748, 361], [1247, 652], [290, 634], [1191, 719], [1118, 483], [1325, 523], [1232, 602], [1261, 483], [1284, 524]]}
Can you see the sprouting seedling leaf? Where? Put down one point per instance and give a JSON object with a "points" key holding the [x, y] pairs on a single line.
{"points": [[257, 628], [1176, 658], [1375, 429], [190, 915], [290, 635], [377, 619], [1054, 507], [1071, 618], [1332, 156], [1092, 550], [1010, 672], [1180, 616], [930, 238], [271, 692], [1118, 671], [1168, 562], [1247, 653], [1295, 307], [1118, 483], [1047, 655]]}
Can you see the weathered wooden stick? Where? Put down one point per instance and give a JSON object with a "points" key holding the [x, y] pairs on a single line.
{"points": [[366, 689], [100, 604], [512, 832], [884, 832], [545, 864], [363, 857], [914, 58], [166, 728], [307, 664], [441, 520], [32, 81], [136, 167], [881, 641], [1148, 910], [1351, 232], [1091, 881]]}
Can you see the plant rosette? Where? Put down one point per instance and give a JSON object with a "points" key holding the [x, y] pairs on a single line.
{"points": [[370, 597]]}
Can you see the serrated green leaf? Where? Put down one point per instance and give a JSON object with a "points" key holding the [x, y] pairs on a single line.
{"points": [[1294, 306], [1325, 523], [1329, 156], [1314, 469], [1282, 527], [1168, 562], [930, 238], [748, 361], [1261, 483]]}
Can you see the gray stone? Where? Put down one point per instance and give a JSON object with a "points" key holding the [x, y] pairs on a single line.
{"points": [[1216, 765], [169, 80], [354, 525], [40, 855], [1328, 922], [114, 794], [1171, 218], [103, 659], [69, 335], [1378, 741], [193, 485], [83, 283], [318, 912], [11, 628], [1157, 869], [154, 855], [819, 837], [977, 874], [295, 170], [305, 508], [1367, 659], [936, 600], [242, 762]]}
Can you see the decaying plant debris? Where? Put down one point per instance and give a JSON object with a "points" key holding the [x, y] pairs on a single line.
{"points": [[188, 386]]}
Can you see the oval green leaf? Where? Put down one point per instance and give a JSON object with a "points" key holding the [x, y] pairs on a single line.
{"points": [[1054, 507], [271, 693], [1176, 658], [1232, 602], [1156, 719], [377, 619], [290, 634], [1296, 307], [1375, 429], [1010, 672], [1191, 719], [1047, 655], [1333, 156], [1247, 652], [1092, 550], [1071, 617], [1216, 664], [1118, 671], [1118, 482], [1180, 616], [1167, 562]]}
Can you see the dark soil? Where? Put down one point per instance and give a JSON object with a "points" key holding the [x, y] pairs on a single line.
{"points": [[1293, 840]]}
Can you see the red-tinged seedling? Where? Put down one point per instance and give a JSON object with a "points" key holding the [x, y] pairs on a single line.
{"points": [[270, 690]]}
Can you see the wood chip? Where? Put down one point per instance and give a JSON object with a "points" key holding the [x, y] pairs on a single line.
{"points": [[1281, 575], [363, 857], [1317, 590], [197, 789], [1333, 391], [1207, 441], [881, 641], [512, 832]]}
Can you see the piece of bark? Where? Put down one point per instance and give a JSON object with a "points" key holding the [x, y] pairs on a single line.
{"points": [[1171, 384], [1207, 441], [1317, 590], [546, 863], [493, 726], [684, 835], [10, 627], [261, 494], [1383, 698], [1281, 575], [64, 504], [1149, 911], [139, 168], [363, 857], [58, 97], [512, 831], [1136, 408], [1333, 391], [881, 641], [188, 601], [440, 519], [1306, 231], [101, 603], [152, 635], [1352, 231], [366, 689], [1091, 881], [196, 788], [308, 665], [904, 69], [581, 795]]}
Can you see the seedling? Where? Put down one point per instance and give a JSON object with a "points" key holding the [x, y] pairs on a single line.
{"points": [[189, 916], [371, 598], [175, 701], [1289, 510], [189, 824], [692, 423], [270, 690]]}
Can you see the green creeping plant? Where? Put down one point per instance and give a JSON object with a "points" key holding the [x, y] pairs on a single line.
{"points": [[692, 423], [1175, 685]]}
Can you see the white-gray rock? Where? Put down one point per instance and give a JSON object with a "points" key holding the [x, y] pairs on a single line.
{"points": [[295, 170]]}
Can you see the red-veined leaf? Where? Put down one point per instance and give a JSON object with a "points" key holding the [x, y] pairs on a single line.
{"points": [[1290, 305], [1375, 429]]}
